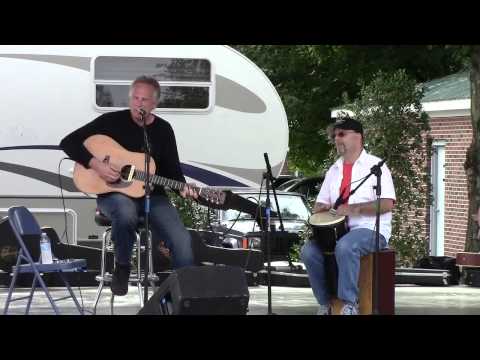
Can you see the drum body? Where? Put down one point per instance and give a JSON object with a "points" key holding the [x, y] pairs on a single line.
{"points": [[327, 230]]}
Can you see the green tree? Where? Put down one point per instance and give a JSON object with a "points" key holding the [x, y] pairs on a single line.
{"points": [[312, 79], [193, 215], [396, 129], [472, 164]]}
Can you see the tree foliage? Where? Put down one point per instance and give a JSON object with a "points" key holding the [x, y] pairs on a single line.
{"points": [[192, 214], [396, 129], [313, 79], [472, 164]]}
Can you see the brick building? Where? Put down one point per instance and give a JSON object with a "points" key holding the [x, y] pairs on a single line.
{"points": [[447, 102]]}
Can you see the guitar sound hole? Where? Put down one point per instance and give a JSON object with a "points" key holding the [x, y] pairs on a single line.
{"points": [[125, 172]]}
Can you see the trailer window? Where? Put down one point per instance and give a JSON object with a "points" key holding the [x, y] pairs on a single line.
{"points": [[184, 83], [171, 97]]}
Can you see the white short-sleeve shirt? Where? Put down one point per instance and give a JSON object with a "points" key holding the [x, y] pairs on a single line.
{"points": [[330, 191]]}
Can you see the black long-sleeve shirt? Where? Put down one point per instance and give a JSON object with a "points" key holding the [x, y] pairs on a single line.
{"points": [[120, 126]]}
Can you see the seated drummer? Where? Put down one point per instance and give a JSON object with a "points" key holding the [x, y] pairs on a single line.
{"points": [[360, 209]]}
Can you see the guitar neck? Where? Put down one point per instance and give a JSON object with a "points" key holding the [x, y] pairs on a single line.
{"points": [[159, 180]]}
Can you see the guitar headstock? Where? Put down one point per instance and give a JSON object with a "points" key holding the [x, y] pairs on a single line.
{"points": [[212, 196]]}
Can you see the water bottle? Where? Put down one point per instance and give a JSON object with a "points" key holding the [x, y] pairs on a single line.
{"points": [[45, 250]]}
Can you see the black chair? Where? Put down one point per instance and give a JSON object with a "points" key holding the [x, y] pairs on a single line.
{"points": [[28, 234]]}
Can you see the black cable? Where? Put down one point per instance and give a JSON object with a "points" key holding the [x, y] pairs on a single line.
{"points": [[234, 222], [65, 232], [209, 219], [259, 207]]}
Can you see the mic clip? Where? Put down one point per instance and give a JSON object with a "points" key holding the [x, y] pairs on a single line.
{"points": [[376, 169]]}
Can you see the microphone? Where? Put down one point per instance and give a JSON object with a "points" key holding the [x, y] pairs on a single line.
{"points": [[376, 168], [269, 169], [380, 164]]}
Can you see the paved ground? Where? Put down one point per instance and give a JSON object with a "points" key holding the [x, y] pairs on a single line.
{"points": [[409, 300]]}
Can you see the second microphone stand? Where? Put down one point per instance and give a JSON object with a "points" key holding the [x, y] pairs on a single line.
{"points": [[377, 171], [267, 232]]}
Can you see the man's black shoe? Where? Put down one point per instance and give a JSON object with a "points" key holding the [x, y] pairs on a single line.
{"points": [[121, 274]]}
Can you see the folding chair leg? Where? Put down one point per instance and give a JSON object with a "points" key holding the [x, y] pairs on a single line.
{"points": [[10, 290], [97, 296], [140, 292], [30, 297], [45, 289], [153, 286], [79, 308], [112, 299]]}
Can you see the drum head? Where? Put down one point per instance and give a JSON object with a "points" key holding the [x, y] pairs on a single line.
{"points": [[325, 218]]}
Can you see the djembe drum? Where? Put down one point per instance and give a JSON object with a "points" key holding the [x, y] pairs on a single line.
{"points": [[327, 230]]}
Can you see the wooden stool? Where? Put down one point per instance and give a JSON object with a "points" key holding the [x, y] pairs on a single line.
{"points": [[386, 279]]}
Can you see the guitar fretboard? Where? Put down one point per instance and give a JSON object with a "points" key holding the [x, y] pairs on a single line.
{"points": [[210, 195], [159, 180]]}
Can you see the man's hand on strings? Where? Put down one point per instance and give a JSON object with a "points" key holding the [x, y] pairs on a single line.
{"points": [[189, 191], [104, 170]]}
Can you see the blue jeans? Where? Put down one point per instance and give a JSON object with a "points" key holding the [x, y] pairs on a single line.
{"points": [[348, 250], [165, 225]]}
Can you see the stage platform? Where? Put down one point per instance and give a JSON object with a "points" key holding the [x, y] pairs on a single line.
{"points": [[409, 300]]}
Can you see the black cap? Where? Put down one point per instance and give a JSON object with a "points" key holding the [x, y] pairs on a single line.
{"points": [[347, 123]]}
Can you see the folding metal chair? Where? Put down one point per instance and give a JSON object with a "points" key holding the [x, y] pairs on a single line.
{"points": [[28, 233]]}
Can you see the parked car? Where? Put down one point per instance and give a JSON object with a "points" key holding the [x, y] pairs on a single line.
{"points": [[241, 230], [281, 179], [308, 187]]}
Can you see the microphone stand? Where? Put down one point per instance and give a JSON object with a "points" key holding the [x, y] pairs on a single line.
{"points": [[377, 171], [146, 271], [269, 181]]}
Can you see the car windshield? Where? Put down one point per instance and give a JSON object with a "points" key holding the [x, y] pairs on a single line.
{"points": [[292, 207], [287, 184]]}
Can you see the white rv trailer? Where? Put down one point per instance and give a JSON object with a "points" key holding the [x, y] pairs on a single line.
{"points": [[225, 113]]}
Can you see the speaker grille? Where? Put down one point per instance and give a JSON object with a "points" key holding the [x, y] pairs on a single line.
{"points": [[202, 290]]}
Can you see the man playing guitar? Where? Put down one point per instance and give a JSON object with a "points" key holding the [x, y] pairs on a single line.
{"points": [[353, 165], [125, 127]]}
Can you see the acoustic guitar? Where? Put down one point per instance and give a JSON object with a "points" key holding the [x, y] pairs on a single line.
{"points": [[131, 166]]}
